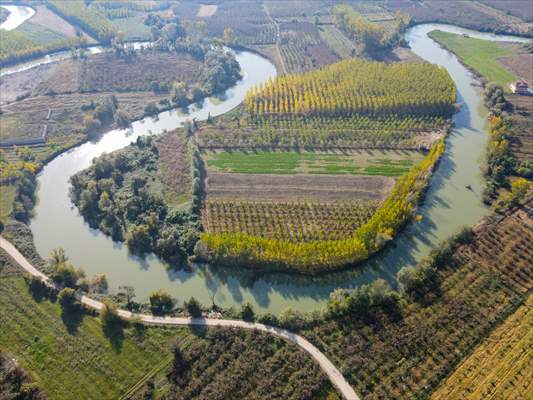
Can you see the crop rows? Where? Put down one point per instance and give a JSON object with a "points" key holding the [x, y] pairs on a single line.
{"points": [[292, 221], [354, 131], [247, 19], [407, 357], [16, 46], [357, 86], [92, 20], [501, 367], [309, 257]]}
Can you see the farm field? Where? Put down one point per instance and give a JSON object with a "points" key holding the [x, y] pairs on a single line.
{"points": [[500, 366], [480, 55], [323, 133], [405, 352], [521, 130], [336, 41], [66, 355], [7, 196], [46, 18], [468, 14], [513, 7], [257, 155], [520, 65], [106, 72], [133, 27], [302, 47], [345, 88], [322, 188], [370, 162], [293, 221], [90, 19]]}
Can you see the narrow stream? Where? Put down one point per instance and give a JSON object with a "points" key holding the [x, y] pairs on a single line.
{"points": [[448, 206]]}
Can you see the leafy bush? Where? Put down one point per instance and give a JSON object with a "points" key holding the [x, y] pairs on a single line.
{"points": [[161, 302], [193, 307], [67, 299]]}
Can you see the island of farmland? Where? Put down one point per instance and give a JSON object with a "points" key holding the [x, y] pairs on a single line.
{"points": [[321, 169]]}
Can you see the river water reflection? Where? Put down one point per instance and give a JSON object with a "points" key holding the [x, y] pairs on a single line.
{"points": [[448, 205]]}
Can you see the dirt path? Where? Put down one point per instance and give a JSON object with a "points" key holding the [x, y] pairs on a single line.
{"points": [[327, 366]]}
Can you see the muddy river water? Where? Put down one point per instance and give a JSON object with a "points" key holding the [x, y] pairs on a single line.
{"points": [[448, 206]]}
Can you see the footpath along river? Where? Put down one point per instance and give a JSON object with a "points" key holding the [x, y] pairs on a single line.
{"points": [[447, 207]]}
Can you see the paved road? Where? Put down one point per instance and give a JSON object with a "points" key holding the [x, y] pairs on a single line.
{"points": [[327, 366]]}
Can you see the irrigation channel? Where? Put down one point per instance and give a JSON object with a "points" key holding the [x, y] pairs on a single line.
{"points": [[448, 206]]}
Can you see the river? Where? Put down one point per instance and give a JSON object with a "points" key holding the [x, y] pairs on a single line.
{"points": [[447, 207], [17, 15]]}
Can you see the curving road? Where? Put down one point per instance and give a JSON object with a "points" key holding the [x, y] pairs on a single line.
{"points": [[327, 366]]}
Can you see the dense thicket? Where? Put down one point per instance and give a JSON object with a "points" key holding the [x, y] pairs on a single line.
{"points": [[15, 382], [370, 36], [118, 195], [235, 364], [357, 86], [309, 257]]}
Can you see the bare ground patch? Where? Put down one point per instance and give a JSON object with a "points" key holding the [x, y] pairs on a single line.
{"points": [[44, 17], [206, 10], [22, 83], [521, 65], [259, 187]]}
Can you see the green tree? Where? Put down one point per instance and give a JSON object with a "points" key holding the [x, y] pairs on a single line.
{"points": [[161, 302], [193, 308], [247, 312], [67, 299]]}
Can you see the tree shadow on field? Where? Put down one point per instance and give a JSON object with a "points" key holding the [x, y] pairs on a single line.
{"points": [[198, 330], [114, 332], [72, 319]]}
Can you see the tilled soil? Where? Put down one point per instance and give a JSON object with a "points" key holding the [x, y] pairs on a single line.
{"points": [[232, 186]]}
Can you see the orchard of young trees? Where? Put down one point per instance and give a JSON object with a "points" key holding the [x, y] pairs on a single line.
{"points": [[313, 256], [358, 87]]}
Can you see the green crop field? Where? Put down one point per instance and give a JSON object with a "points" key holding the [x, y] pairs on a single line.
{"points": [[41, 35], [481, 55], [375, 162], [133, 28], [68, 362], [7, 196]]}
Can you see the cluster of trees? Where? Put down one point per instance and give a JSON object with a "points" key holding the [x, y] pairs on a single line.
{"points": [[221, 71], [310, 257], [16, 383], [97, 115], [90, 19], [291, 221], [114, 195], [370, 36], [125, 9], [360, 87], [198, 174], [12, 170], [17, 46], [363, 300], [25, 198], [299, 131], [230, 363], [501, 163]]}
